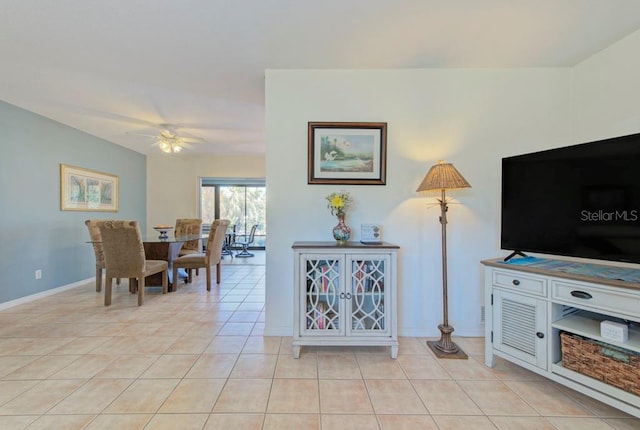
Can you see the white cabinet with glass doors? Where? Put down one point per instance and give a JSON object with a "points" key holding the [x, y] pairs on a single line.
{"points": [[345, 295]]}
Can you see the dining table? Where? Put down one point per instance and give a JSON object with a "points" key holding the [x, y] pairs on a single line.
{"points": [[167, 248]]}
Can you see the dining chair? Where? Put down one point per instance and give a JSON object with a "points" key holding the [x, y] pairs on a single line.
{"points": [[96, 241], [124, 257], [212, 255], [189, 226]]}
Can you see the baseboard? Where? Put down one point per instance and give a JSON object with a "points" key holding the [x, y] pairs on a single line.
{"points": [[42, 294]]}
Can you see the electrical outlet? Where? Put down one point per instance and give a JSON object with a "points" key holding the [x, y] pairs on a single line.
{"points": [[38, 274]]}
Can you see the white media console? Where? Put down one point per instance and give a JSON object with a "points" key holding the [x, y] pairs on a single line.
{"points": [[533, 300]]}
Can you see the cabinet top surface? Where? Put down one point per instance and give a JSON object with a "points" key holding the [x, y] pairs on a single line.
{"points": [[596, 273], [349, 245]]}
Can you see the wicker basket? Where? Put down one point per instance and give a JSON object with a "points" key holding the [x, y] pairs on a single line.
{"points": [[610, 364]]}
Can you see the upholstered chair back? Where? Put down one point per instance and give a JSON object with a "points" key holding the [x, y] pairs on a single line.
{"points": [[96, 241], [123, 248], [189, 226], [215, 240]]}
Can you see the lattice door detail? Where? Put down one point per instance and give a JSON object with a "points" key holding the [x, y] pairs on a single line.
{"points": [[368, 295], [322, 295]]}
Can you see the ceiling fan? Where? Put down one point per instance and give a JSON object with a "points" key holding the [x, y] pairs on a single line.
{"points": [[168, 139]]}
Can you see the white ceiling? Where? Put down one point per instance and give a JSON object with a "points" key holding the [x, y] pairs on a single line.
{"points": [[119, 68]]}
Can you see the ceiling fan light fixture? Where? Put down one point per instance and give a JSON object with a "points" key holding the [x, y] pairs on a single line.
{"points": [[169, 142]]}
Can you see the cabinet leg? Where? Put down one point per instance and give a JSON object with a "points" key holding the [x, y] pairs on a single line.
{"points": [[296, 352], [394, 351]]}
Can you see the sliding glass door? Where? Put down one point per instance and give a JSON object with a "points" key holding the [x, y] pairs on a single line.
{"points": [[243, 202]]}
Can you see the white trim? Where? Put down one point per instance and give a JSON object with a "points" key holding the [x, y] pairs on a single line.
{"points": [[43, 294]]}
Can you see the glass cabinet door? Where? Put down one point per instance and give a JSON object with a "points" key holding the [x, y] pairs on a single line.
{"points": [[367, 276], [323, 302]]}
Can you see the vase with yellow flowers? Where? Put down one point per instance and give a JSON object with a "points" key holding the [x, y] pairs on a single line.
{"points": [[338, 203]]}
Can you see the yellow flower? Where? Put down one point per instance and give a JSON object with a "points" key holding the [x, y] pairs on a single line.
{"points": [[338, 202]]}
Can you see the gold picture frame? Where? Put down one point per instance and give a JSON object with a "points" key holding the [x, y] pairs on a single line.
{"points": [[350, 153], [87, 190]]}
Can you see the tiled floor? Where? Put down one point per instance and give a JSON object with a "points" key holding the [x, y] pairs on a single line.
{"points": [[198, 360]]}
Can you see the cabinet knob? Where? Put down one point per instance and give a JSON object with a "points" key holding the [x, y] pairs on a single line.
{"points": [[516, 282], [581, 294], [540, 335]]}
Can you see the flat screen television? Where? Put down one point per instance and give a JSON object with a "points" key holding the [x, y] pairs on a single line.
{"points": [[579, 201]]}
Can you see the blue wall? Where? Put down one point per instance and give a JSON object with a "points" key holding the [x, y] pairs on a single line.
{"points": [[34, 232]]}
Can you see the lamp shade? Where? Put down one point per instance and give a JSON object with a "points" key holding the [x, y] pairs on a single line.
{"points": [[443, 176]]}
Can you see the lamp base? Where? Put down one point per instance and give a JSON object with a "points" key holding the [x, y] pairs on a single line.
{"points": [[445, 347]]}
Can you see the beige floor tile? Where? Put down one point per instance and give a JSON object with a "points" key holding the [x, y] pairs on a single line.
{"points": [[170, 366], [412, 346], [467, 369], [597, 408], [85, 367], [463, 423], [547, 399], [496, 398], [43, 367], [193, 396], [445, 398], [41, 397], [11, 363], [120, 422], [623, 423], [506, 370], [291, 421], [244, 396], [204, 329], [338, 366], [66, 422], [344, 397], [349, 422], [422, 367], [11, 389], [255, 366], [93, 397], [522, 423], [394, 397], [127, 366], [190, 345], [571, 423], [16, 422], [262, 345], [406, 422], [235, 421], [81, 345], [213, 366], [143, 396], [226, 344], [304, 367], [294, 395], [178, 421], [377, 366], [236, 329]]}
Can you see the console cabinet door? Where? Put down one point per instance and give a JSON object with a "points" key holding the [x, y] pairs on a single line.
{"points": [[323, 303], [520, 327], [367, 294]]}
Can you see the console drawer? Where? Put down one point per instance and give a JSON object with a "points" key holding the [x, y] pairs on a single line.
{"points": [[520, 282], [587, 296]]}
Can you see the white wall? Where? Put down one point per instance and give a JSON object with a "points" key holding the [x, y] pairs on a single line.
{"points": [[173, 182], [470, 117], [607, 92]]}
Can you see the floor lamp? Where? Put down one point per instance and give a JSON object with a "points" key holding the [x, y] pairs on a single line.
{"points": [[441, 177]]}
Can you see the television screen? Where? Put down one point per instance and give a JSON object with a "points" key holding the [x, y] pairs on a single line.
{"points": [[580, 201]]}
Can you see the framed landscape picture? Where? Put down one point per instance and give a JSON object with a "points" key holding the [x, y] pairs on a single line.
{"points": [[350, 153], [87, 190]]}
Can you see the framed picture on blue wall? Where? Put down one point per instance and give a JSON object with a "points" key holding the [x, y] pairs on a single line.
{"points": [[87, 190]]}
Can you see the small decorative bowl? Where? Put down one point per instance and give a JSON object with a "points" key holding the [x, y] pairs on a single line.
{"points": [[163, 229]]}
